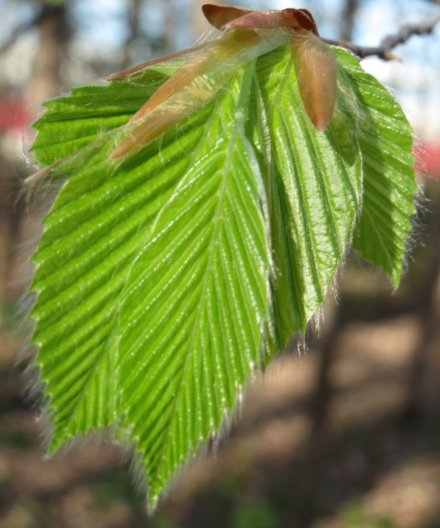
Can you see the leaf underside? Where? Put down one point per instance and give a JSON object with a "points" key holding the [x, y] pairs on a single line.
{"points": [[164, 279]]}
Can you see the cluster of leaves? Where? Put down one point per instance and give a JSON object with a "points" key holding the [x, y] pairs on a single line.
{"points": [[166, 277]]}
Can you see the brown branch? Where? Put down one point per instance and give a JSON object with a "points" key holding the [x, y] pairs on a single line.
{"points": [[391, 41]]}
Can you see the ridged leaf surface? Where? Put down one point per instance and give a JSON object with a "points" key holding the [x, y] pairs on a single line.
{"points": [[385, 138], [165, 278]]}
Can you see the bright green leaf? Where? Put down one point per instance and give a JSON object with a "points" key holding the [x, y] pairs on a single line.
{"points": [[313, 182], [165, 278], [385, 137]]}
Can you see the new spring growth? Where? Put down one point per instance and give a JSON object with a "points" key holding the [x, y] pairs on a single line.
{"points": [[246, 35]]}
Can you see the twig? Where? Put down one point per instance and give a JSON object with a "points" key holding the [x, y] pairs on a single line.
{"points": [[391, 41]]}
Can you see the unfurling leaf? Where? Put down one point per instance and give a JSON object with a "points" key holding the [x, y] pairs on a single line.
{"points": [[315, 67]]}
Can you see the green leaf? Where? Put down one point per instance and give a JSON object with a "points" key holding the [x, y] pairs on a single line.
{"points": [[165, 278], [385, 137], [180, 229], [313, 183], [191, 312]]}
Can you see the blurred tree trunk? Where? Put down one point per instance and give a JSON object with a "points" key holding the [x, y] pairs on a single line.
{"points": [[46, 76], [169, 26], [5, 228], [45, 83], [132, 44], [348, 16], [426, 305], [319, 406], [134, 18]]}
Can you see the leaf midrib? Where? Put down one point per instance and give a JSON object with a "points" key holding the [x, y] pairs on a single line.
{"points": [[207, 273]]}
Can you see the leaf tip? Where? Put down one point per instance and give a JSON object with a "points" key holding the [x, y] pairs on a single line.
{"points": [[321, 124]]}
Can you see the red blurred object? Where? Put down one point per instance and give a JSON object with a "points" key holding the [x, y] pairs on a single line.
{"points": [[428, 159], [13, 114]]}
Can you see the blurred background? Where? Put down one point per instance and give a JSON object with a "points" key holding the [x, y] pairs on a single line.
{"points": [[347, 435]]}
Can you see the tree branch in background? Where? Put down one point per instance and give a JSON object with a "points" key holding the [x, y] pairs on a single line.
{"points": [[391, 41]]}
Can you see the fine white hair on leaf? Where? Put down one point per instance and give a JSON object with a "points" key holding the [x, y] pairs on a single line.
{"points": [[211, 444], [418, 227], [137, 469], [298, 342], [91, 439], [210, 33], [28, 137]]}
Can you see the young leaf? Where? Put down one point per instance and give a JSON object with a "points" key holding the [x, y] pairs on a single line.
{"points": [[313, 181], [152, 280], [385, 138], [165, 277]]}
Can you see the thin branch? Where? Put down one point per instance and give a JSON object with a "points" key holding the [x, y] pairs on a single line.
{"points": [[391, 41]]}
